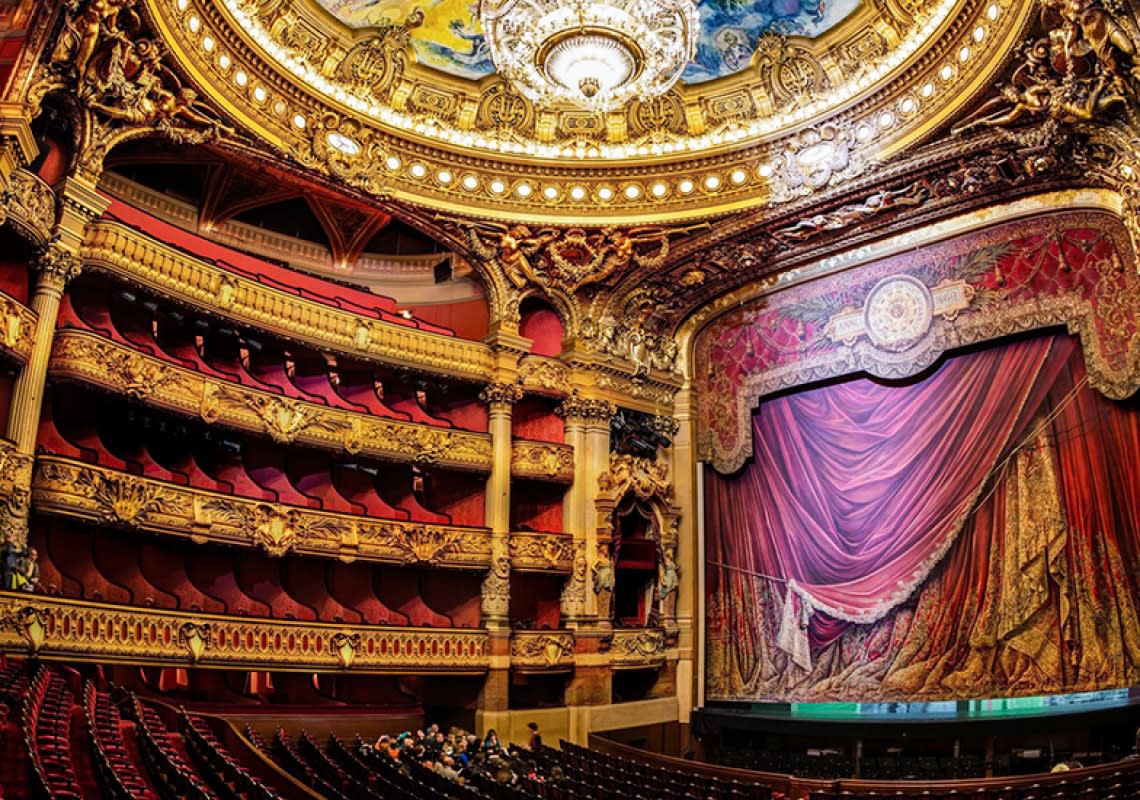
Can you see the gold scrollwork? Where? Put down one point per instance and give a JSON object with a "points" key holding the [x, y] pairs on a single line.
{"points": [[547, 552], [57, 628], [541, 648], [542, 461], [86, 356], [73, 488]]}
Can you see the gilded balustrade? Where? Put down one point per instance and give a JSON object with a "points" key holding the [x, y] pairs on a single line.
{"points": [[131, 255], [95, 360], [92, 359], [78, 630], [76, 489]]}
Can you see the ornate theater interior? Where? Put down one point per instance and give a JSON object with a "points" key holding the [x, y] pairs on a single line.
{"points": [[717, 399]]}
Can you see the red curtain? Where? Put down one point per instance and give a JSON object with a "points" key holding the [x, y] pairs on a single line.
{"points": [[1025, 600]]}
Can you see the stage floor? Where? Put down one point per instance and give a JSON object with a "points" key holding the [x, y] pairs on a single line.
{"points": [[1050, 710]]}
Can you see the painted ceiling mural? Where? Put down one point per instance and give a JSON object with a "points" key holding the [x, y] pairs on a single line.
{"points": [[450, 38]]}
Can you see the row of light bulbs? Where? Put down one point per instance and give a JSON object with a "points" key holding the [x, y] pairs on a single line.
{"points": [[631, 191]]}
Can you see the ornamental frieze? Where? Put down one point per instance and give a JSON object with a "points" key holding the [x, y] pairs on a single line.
{"points": [[88, 357], [545, 461], [544, 376], [128, 254], [541, 552], [75, 489], [896, 317], [542, 649], [78, 630]]}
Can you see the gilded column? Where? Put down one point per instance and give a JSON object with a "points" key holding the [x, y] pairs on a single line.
{"points": [[496, 594], [56, 265], [588, 430]]}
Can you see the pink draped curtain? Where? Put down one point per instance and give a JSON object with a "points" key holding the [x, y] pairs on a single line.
{"points": [[857, 490]]}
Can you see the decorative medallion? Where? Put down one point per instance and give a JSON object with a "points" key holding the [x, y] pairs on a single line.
{"points": [[898, 312]]}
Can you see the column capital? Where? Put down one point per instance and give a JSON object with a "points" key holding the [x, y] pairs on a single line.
{"points": [[586, 409], [57, 265], [501, 394]]}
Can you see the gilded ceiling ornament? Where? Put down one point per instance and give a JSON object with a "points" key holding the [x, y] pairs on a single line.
{"points": [[813, 159], [880, 202], [1084, 68], [568, 260], [124, 88]]}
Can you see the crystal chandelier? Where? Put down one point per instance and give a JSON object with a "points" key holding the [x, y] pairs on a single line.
{"points": [[598, 54]]}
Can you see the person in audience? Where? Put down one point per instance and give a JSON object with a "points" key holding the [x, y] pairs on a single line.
{"points": [[535, 743]]}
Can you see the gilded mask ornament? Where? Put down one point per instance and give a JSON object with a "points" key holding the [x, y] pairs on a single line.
{"points": [[346, 646], [195, 637], [275, 528]]}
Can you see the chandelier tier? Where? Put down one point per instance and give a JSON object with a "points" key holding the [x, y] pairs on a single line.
{"points": [[597, 54]]}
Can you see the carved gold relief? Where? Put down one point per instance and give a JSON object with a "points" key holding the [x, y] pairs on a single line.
{"points": [[31, 205], [55, 628], [86, 356], [638, 645], [75, 489], [541, 552], [542, 648], [542, 461], [17, 328]]}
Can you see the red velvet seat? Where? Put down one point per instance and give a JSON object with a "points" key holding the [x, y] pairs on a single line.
{"points": [[308, 581], [357, 385], [215, 577], [260, 578], [310, 473], [166, 570], [265, 464], [359, 487]]}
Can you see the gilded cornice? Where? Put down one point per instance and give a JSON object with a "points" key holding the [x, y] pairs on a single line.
{"points": [[31, 206], [538, 650], [133, 256], [17, 328], [79, 630], [84, 491], [90, 358], [710, 149], [541, 552], [545, 461]]}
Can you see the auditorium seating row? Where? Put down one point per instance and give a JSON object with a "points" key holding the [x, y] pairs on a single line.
{"points": [[47, 735], [221, 351], [102, 430], [149, 752], [609, 777], [112, 567], [304, 285]]}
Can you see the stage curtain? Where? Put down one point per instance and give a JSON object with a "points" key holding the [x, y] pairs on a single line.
{"points": [[858, 489], [1035, 595]]}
